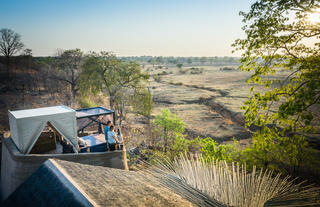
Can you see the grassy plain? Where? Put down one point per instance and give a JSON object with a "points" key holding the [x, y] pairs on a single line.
{"points": [[208, 102]]}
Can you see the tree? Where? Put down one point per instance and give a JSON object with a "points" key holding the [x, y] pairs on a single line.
{"points": [[69, 63], [27, 52], [159, 60], [203, 60], [137, 100], [10, 43], [170, 127], [189, 60], [120, 80], [142, 102], [179, 65], [275, 43]]}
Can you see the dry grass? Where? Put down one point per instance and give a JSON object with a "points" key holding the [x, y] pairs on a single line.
{"points": [[232, 185]]}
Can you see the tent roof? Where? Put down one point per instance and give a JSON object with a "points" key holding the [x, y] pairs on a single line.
{"points": [[27, 125], [20, 114], [94, 111]]}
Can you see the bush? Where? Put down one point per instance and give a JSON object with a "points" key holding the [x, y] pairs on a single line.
{"points": [[178, 84], [210, 149], [86, 102], [196, 70], [163, 73], [157, 78], [227, 69], [181, 71]]}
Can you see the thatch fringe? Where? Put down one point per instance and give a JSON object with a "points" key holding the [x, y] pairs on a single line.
{"points": [[211, 183]]}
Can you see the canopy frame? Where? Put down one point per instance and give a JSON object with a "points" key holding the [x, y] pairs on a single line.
{"points": [[94, 117]]}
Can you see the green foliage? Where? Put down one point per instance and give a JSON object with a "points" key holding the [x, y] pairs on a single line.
{"points": [[86, 102], [267, 50], [276, 33], [181, 145], [171, 130], [169, 126], [211, 149], [281, 153], [177, 84], [142, 102], [194, 70], [163, 73], [120, 80], [157, 78], [179, 65]]}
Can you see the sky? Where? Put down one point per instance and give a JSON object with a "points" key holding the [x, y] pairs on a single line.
{"points": [[127, 27]]}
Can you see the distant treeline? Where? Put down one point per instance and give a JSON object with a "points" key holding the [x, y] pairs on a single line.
{"points": [[183, 60]]}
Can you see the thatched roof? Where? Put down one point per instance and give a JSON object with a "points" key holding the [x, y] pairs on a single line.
{"points": [[92, 186], [115, 187]]}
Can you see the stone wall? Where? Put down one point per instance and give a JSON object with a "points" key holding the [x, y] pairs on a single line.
{"points": [[17, 167]]}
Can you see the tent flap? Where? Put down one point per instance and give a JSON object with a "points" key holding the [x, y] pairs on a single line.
{"points": [[27, 125]]}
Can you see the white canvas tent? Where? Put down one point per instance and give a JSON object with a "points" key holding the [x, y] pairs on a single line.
{"points": [[27, 125]]}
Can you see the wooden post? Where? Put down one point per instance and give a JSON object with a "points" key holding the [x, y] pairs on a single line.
{"points": [[125, 162]]}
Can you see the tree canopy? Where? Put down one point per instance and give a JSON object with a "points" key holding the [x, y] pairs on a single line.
{"points": [[10, 43], [122, 81], [170, 127], [69, 65], [281, 49]]}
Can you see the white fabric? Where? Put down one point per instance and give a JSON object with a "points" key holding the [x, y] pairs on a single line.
{"points": [[27, 125]]}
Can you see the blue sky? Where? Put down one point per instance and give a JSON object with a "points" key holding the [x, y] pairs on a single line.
{"points": [[136, 27]]}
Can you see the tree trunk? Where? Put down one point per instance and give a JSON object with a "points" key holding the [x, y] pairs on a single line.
{"points": [[73, 93], [111, 100], [73, 96], [165, 139], [8, 63]]}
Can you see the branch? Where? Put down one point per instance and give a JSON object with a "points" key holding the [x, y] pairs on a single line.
{"points": [[301, 7], [290, 94], [60, 79]]}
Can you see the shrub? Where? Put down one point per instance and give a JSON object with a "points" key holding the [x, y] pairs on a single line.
{"points": [[178, 84], [227, 69], [212, 150], [157, 78], [181, 71], [163, 73], [196, 70], [86, 102]]}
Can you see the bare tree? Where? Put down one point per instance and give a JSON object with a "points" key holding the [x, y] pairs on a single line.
{"points": [[10, 43], [69, 64]]}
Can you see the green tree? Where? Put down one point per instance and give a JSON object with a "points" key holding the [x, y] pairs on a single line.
{"points": [[276, 35], [118, 79], [170, 128], [142, 102], [211, 149], [179, 65]]}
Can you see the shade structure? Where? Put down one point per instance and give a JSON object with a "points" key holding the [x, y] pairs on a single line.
{"points": [[27, 125], [88, 116]]}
